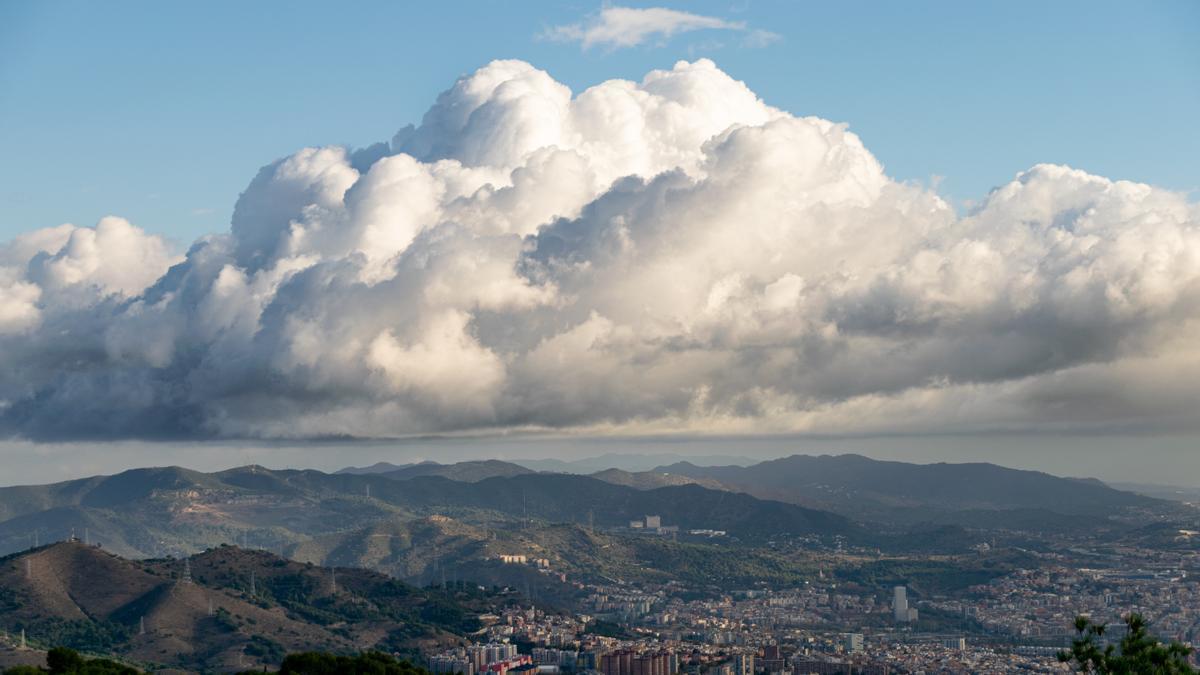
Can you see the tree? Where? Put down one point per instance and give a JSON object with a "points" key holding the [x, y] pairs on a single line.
{"points": [[64, 661], [370, 663], [1138, 653]]}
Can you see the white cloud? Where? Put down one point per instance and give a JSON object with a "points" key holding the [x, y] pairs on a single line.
{"points": [[665, 255], [69, 266], [618, 27]]}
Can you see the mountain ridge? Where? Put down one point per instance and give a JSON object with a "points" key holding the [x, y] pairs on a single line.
{"points": [[859, 486]]}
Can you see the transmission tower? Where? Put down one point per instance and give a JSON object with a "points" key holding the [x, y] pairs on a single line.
{"points": [[187, 570]]}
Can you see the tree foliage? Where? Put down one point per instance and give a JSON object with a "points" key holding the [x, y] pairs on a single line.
{"points": [[369, 663], [1138, 652], [66, 661]]}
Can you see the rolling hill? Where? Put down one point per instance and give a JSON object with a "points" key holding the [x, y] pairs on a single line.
{"points": [[223, 609], [156, 512], [899, 492], [648, 480], [470, 472], [436, 548]]}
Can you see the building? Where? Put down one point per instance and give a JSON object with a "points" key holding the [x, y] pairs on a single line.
{"points": [[810, 666], [743, 664], [772, 659], [628, 662], [562, 658], [900, 604], [653, 522], [959, 643], [852, 643], [490, 658]]}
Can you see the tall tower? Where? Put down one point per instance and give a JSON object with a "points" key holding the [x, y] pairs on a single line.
{"points": [[743, 664], [900, 604]]}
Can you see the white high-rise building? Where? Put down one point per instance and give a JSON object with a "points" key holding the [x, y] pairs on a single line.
{"points": [[900, 604], [852, 643]]}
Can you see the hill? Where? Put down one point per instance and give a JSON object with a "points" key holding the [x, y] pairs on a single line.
{"points": [[436, 548], [648, 480], [624, 461], [171, 511], [223, 609], [899, 492], [377, 467], [470, 472], [575, 499]]}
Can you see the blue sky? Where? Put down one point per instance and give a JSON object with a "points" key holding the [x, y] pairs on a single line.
{"points": [[162, 112]]}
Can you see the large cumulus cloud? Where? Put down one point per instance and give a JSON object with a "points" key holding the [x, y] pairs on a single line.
{"points": [[666, 255]]}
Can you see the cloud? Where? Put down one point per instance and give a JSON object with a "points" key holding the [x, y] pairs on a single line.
{"points": [[75, 267], [620, 27], [668, 255]]}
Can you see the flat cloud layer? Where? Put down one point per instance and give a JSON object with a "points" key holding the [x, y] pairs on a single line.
{"points": [[669, 255], [617, 27]]}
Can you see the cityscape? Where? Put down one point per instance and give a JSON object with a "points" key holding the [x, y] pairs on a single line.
{"points": [[528, 571]]}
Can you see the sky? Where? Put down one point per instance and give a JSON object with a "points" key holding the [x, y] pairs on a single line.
{"points": [[161, 112], [951, 230]]}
